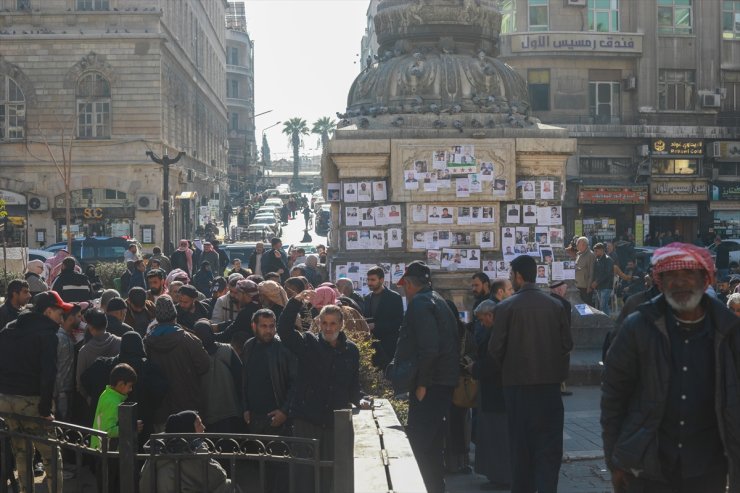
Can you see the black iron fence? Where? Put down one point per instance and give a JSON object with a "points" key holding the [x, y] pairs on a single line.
{"points": [[200, 460]]}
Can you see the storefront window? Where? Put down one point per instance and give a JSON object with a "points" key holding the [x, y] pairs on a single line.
{"points": [[603, 228], [675, 167], [86, 227], [727, 223]]}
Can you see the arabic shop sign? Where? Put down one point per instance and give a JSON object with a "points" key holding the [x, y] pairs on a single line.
{"points": [[576, 41], [612, 195], [677, 147], [726, 191], [679, 190]]}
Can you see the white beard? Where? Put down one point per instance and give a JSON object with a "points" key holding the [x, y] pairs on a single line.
{"points": [[683, 306]]}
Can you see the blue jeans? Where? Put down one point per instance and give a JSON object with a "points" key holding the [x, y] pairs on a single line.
{"points": [[604, 300]]}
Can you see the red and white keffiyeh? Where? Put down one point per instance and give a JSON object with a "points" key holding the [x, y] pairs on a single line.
{"points": [[680, 256]]}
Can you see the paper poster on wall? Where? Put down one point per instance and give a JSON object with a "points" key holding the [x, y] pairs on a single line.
{"points": [[541, 235], [485, 239], [521, 236], [333, 192], [352, 239], [364, 191], [487, 215], [475, 183], [364, 239], [445, 239], [397, 272], [420, 166], [543, 274], [418, 240], [411, 183], [528, 192], [439, 159], [475, 214], [512, 214], [502, 269], [434, 259], [546, 255], [489, 267], [463, 215], [533, 249], [354, 269], [547, 189], [556, 236], [549, 216], [486, 171], [351, 216], [443, 178], [340, 272], [380, 192], [446, 217], [433, 217], [430, 181], [562, 271], [431, 240], [499, 186], [507, 236], [394, 214], [367, 218], [395, 240], [473, 259], [350, 192], [377, 239], [461, 239], [530, 214], [381, 216], [419, 213], [462, 187]]}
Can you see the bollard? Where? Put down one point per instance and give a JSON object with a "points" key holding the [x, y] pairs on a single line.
{"points": [[344, 451], [128, 447]]}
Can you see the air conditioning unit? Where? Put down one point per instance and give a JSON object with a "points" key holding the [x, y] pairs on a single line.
{"points": [[38, 204], [147, 202], [643, 150], [575, 3], [630, 83], [710, 100]]}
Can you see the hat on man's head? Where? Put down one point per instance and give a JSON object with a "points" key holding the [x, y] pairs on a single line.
{"points": [[556, 284], [49, 299], [218, 284], [155, 273], [189, 291], [116, 304], [234, 278], [417, 268], [164, 309], [682, 256], [247, 287]]}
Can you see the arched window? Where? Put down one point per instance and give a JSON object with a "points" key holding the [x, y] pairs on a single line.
{"points": [[93, 107], [12, 109]]}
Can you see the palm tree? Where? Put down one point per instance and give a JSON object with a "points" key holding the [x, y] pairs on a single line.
{"points": [[295, 128], [325, 127]]}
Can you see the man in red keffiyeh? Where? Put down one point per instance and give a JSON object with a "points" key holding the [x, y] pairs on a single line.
{"points": [[670, 415]]}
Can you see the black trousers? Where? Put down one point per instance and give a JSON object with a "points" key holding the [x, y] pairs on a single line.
{"points": [[714, 481], [304, 475], [536, 417], [426, 431], [586, 297]]}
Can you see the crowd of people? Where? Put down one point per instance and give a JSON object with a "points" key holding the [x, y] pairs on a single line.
{"points": [[268, 349]]}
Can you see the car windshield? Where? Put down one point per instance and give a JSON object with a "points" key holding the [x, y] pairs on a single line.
{"points": [[264, 220]]}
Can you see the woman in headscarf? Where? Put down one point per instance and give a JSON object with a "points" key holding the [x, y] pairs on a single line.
{"points": [[273, 296], [34, 277], [194, 476], [54, 265], [182, 258], [202, 279], [222, 383]]}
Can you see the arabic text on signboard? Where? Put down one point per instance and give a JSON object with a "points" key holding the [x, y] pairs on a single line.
{"points": [[567, 41], [674, 147], [612, 195], [729, 191], [679, 190]]}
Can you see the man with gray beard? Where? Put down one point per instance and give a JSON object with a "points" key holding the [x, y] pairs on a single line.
{"points": [[670, 415]]}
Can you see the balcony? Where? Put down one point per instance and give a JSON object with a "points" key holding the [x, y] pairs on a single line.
{"points": [[240, 103], [240, 70]]}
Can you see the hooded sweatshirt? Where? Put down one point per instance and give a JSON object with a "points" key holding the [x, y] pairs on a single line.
{"points": [[105, 344], [28, 355]]}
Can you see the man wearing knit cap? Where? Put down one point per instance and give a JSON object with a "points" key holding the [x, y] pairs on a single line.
{"points": [[247, 294], [115, 313], [181, 357], [189, 308], [227, 306], [670, 415]]}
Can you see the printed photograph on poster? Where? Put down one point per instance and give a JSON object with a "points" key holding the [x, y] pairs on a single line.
{"points": [[541, 235], [431, 240], [350, 192], [462, 187], [549, 216], [364, 191], [543, 274], [353, 239], [445, 258], [333, 192], [433, 217], [487, 215], [351, 217], [512, 214], [510, 254], [563, 271], [499, 186], [530, 214], [556, 236], [475, 183], [547, 189], [354, 267], [397, 272], [486, 171], [381, 218], [419, 214], [420, 166], [546, 255], [365, 239], [463, 215], [520, 249], [446, 216], [556, 215], [418, 240], [430, 181], [489, 267], [475, 215], [380, 192], [394, 215], [394, 238], [461, 239], [377, 239], [434, 260], [445, 239], [473, 260], [410, 183], [443, 178], [507, 235], [485, 239], [368, 218], [439, 159], [522, 235], [340, 272], [533, 249], [528, 192], [502, 269]]}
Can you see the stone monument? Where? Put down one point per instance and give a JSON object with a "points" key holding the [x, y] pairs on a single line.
{"points": [[437, 157]]}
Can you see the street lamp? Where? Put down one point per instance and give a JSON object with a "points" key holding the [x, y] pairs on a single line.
{"points": [[165, 161]]}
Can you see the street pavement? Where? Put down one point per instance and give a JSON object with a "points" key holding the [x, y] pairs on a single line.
{"points": [[583, 469], [294, 230]]}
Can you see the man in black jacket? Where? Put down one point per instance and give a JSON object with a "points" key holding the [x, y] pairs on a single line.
{"points": [[530, 343], [429, 337], [16, 298], [28, 355], [670, 415], [275, 259], [189, 308], [383, 310], [603, 278], [71, 286]]}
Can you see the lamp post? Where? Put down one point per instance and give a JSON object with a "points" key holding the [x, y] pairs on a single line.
{"points": [[262, 139], [165, 161]]}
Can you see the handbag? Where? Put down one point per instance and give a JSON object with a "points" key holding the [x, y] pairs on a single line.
{"points": [[466, 392]]}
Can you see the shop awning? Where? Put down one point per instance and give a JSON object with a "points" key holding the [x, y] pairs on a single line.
{"points": [[187, 196]]}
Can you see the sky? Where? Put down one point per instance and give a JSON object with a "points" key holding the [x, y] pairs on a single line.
{"points": [[306, 56]]}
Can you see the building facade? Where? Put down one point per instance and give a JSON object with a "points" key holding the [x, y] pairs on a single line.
{"points": [[651, 91], [102, 82], [240, 99]]}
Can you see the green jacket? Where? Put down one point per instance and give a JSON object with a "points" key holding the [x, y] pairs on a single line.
{"points": [[106, 414]]}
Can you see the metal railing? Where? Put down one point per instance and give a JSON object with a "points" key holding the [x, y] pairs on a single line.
{"points": [[271, 456]]}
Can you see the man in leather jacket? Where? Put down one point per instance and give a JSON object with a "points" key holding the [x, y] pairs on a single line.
{"points": [[670, 412]]}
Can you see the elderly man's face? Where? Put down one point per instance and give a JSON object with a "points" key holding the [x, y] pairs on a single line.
{"points": [[331, 326], [486, 319], [683, 289], [581, 246], [735, 307]]}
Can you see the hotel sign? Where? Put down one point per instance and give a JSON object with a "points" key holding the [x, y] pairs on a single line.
{"points": [[612, 195], [576, 41], [679, 190], [677, 147]]}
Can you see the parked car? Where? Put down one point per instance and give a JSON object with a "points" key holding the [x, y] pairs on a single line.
{"points": [[258, 232], [275, 201], [307, 247], [271, 221], [733, 244], [240, 250], [269, 209], [95, 250], [271, 192]]}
